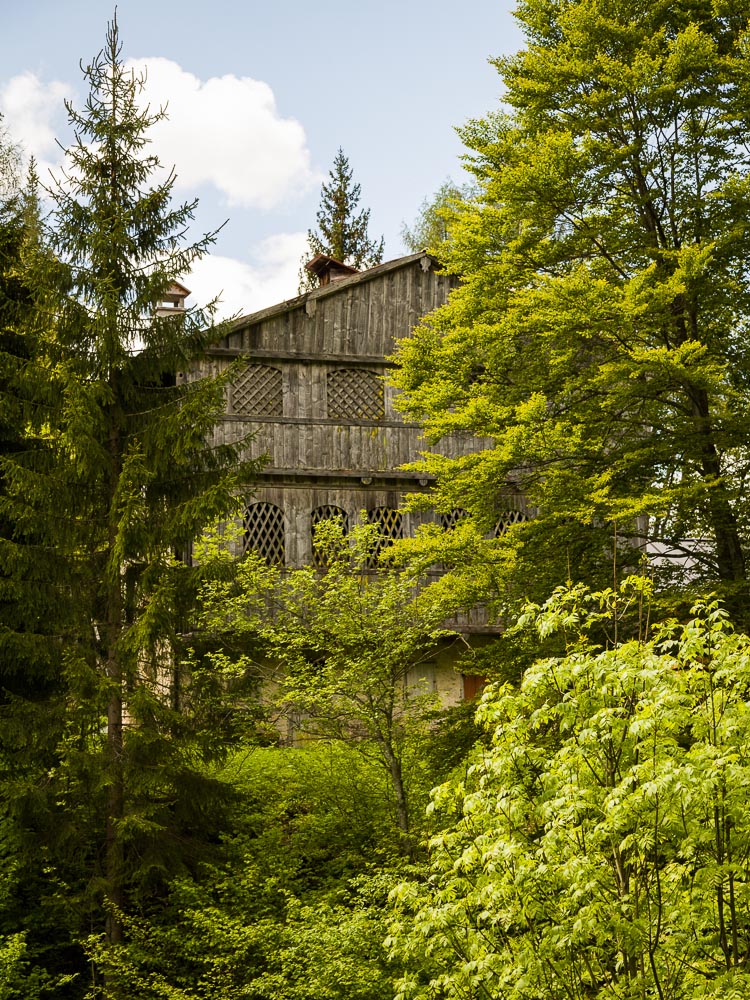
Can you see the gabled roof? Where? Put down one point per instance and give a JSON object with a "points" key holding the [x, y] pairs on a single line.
{"points": [[334, 287], [175, 288]]}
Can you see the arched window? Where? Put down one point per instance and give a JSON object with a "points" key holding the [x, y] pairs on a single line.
{"points": [[452, 518], [328, 512], [390, 524], [257, 391], [448, 522], [264, 532], [506, 519], [355, 394]]}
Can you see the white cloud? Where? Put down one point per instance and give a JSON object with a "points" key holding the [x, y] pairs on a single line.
{"points": [[244, 288], [34, 115], [226, 131]]}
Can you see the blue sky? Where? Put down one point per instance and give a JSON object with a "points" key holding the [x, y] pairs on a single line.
{"points": [[261, 96]]}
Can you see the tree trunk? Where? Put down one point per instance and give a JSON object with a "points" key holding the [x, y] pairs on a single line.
{"points": [[399, 791], [730, 558], [115, 855], [115, 810]]}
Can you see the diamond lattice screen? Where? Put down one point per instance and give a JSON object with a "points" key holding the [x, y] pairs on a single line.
{"points": [[506, 518], [325, 513], [354, 394], [264, 532], [389, 522], [258, 391], [448, 521]]}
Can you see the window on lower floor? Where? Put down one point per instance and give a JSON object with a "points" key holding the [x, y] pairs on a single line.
{"points": [[452, 518], [264, 532], [506, 519], [390, 525], [328, 512]]}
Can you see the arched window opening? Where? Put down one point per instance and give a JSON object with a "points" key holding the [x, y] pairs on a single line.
{"points": [[452, 518], [448, 522], [355, 394], [390, 525], [257, 391], [328, 512], [264, 532], [506, 519]]}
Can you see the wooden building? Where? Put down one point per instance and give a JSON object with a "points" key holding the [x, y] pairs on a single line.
{"points": [[314, 395]]}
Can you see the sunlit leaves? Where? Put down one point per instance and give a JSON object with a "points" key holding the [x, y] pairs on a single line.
{"points": [[603, 271], [601, 847]]}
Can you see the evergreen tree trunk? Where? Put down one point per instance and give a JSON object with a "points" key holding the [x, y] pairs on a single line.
{"points": [[115, 853]]}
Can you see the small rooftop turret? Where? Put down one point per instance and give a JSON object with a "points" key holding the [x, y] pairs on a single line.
{"points": [[327, 269], [173, 301]]}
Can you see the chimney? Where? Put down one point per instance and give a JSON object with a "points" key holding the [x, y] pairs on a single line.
{"points": [[327, 269]]}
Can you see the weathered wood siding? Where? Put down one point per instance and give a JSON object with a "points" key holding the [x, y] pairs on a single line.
{"points": [[314, 397], [298, 503], [298, 446], [349, 326], [357, 318]]}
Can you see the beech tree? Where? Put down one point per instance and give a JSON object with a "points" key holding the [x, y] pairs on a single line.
{"points": [[598, 339], [116, 480], [342, 231], [601, 846], [436, 217]]}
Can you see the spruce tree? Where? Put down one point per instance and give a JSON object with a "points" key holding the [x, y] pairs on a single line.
{"points": [[116, 480], [20, 610], [29, 680], [342, 231]]}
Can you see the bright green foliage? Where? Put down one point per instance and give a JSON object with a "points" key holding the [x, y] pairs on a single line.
{"points": [[115, 479], [601, 846], [599, 341], [330, 951], [342, 231], [436, 219], [345, 647], [316, 815], [297, 909]]}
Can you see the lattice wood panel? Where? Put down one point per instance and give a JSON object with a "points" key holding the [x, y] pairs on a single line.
{"points": [[355, 394], [258, 391], [506, 519], [327, 512], [454, 517], [390, 524], [264, 532]]}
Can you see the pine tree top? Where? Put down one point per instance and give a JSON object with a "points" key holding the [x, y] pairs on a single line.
{"points": [[342, 231]]}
